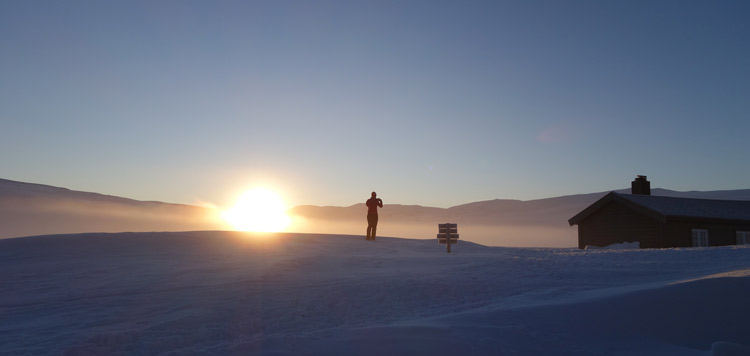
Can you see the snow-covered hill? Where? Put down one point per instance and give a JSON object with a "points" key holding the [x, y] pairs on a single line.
{"points": [[499, 222], [546, 212], [225, 293], [34, 209]]}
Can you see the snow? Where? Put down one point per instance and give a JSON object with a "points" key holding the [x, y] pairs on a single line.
{"points": [[229, 293], [723, 348], [618, 246]]}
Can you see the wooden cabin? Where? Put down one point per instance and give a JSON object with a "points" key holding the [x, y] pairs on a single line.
{"points": [[662, 222]]}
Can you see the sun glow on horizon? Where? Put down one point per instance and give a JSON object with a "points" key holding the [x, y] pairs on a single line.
{"points": [[259, 210]]}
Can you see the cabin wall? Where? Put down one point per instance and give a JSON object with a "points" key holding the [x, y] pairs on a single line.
{"points": [[615, 223], [678, 233]]}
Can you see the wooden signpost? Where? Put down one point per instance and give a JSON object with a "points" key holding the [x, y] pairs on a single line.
{"points": [[448, 234]]}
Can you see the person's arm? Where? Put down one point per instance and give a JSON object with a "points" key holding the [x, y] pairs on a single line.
{"points": [[380, 202]]}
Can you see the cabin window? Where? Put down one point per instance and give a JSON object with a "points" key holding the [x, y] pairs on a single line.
{"points": [[743, 237], [700, 237]]}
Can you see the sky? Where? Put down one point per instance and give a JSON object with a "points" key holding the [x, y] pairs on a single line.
{"points": [[434, 103]]}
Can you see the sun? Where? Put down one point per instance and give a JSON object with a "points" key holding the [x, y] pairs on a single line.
{"points": [[260, 210]]}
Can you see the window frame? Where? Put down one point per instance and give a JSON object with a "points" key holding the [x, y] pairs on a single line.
{"points": [[742, 237], [701, 237]]}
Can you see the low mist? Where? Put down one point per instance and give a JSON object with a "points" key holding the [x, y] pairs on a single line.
{"points": [[41, 216], [489, 235]]}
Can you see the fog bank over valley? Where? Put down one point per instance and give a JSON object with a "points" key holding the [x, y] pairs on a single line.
{"points": [[28, 209]]}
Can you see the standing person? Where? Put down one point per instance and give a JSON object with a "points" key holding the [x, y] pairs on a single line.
{"points": [[372, 215]]}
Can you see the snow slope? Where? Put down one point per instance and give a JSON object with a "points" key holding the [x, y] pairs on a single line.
{"points": [[228, 293], [498, 222], [35, 209]]}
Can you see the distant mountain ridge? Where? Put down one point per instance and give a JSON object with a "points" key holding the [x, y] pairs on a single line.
{"points": [[498, 222], [552, 211], [14, 189], [36, 209]]}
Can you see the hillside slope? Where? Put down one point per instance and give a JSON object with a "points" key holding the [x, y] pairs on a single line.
{"points": [[549, 211], [228, 293], [35, 209], [499, 222]]}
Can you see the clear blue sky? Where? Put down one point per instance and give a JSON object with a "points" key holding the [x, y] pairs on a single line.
{"points": [[434, 103]]}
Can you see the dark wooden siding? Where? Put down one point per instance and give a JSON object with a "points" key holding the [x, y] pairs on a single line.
{"points": [[678, 233], [615, 223]]}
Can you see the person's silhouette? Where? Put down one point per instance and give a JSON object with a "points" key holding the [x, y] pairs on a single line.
{"points": [[372, 215]]}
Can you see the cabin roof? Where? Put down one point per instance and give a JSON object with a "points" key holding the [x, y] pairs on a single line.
{"points": [[671, 208]]}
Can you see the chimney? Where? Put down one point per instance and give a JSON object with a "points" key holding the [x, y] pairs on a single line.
{"points": [[640, 186]]}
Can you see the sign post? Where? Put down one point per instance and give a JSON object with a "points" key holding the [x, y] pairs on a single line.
{"points": [[448, 234]]}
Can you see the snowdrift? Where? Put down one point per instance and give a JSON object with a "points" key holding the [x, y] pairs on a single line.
{"points": [[228, 293]]}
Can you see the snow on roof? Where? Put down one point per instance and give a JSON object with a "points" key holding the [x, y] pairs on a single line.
{"points": [[695, 208], [663, 208]]}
